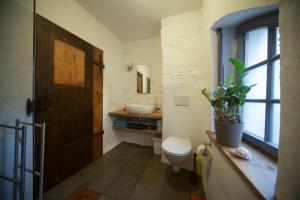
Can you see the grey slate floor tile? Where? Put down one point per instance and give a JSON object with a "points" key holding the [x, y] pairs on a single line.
{"points": [[106, 176], [125, 183], [155, 162], [176, 185], [129, 171], [150, 185], [105, 197], [61, 191]]}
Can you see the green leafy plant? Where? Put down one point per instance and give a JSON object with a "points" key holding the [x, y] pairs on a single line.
{"points": [[230, 95]]}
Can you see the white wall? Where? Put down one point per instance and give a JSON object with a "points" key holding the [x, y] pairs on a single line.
{"points": [[72, 17], [16, 85], [189, 65], [222, 182], [186, 70], [288, 179], [146, 51]]}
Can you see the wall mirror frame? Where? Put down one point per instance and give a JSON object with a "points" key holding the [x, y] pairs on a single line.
{"points": [[143, 78]]}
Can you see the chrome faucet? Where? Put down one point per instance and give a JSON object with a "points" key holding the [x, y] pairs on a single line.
{"points": [[155, 105]]}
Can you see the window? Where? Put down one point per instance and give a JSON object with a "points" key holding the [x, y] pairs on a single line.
{"points": [[260, 50]]}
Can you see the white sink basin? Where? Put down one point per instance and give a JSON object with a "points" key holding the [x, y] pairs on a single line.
{"points": [[140, 108]]}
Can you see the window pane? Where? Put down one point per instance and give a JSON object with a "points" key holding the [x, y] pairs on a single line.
{"points": [[276, 80], [257, 76], [256, 46], [275, 123], [277, 41], [254, 118]]}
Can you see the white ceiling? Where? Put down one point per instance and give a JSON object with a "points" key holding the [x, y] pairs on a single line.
{"points": [[136, 19]]}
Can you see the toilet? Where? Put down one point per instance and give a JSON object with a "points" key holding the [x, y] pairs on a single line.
{"points": [[176, 150]]}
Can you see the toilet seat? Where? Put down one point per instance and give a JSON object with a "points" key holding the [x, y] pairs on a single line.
{"points": [[177, 146]]}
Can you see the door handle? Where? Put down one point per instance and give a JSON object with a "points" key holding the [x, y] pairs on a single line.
{"points": [[49, 103], [41, 105], [29, 106]]}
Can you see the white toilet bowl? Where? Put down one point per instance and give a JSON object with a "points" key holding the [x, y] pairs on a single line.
{"points": [[176, 151]]}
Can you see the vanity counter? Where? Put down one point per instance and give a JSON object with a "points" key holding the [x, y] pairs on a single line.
{"points": [[123, 113]]}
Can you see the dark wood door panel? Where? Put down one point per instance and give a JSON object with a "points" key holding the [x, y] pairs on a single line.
{"points": [[65, 105], [78, 152], [97, 103]]}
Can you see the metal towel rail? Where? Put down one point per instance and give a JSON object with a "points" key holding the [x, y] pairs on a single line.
{"points": [[19, 182]]}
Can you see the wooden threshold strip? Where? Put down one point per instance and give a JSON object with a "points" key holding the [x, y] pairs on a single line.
{"points": [[259, 173]]}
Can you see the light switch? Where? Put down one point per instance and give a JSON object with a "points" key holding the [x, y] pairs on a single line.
{"points": [[182, 100]]}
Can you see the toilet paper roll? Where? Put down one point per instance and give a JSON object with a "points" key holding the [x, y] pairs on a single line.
{"points": [[199, 159], [200, 149], [205, 155]]}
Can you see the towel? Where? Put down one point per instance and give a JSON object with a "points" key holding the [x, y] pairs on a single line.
{"points": [[120, 123], [198, 165]]}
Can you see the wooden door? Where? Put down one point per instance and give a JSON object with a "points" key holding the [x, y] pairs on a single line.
{"points": [[64, 100], [97, 103]]}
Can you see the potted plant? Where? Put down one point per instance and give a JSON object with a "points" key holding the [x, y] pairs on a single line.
{"points": [[227, 100]]}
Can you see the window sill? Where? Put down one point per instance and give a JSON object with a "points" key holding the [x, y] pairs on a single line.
{"points": [[259, 173], [258, 143]]}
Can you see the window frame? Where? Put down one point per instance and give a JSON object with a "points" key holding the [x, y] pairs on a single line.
{"points": [[271, 22]]}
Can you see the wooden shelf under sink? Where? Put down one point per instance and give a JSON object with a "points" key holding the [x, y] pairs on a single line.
{"points": [[136, 130], [145, 119], [123, 113]]}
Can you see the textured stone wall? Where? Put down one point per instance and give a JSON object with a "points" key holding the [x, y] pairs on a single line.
{"points": [[189, 48], [147, 51], [185, 74]]}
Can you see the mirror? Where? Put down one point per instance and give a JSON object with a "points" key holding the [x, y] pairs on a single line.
{"points": [[143, 79]]}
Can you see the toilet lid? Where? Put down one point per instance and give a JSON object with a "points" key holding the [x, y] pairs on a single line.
{"points": [[177, 146]]}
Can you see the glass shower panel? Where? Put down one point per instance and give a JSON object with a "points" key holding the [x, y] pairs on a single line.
{"points": [[16, 85]]}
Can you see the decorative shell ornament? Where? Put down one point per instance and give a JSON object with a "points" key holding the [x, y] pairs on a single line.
{"points": [[241, 152]]}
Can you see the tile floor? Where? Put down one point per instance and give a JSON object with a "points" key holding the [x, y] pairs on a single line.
{"points": [[129, 171]]}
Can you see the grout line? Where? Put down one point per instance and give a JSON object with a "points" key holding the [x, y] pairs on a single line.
{"points": [[138, 167], [111, 183], [163, 185], [107, 196], [141, 175]]}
